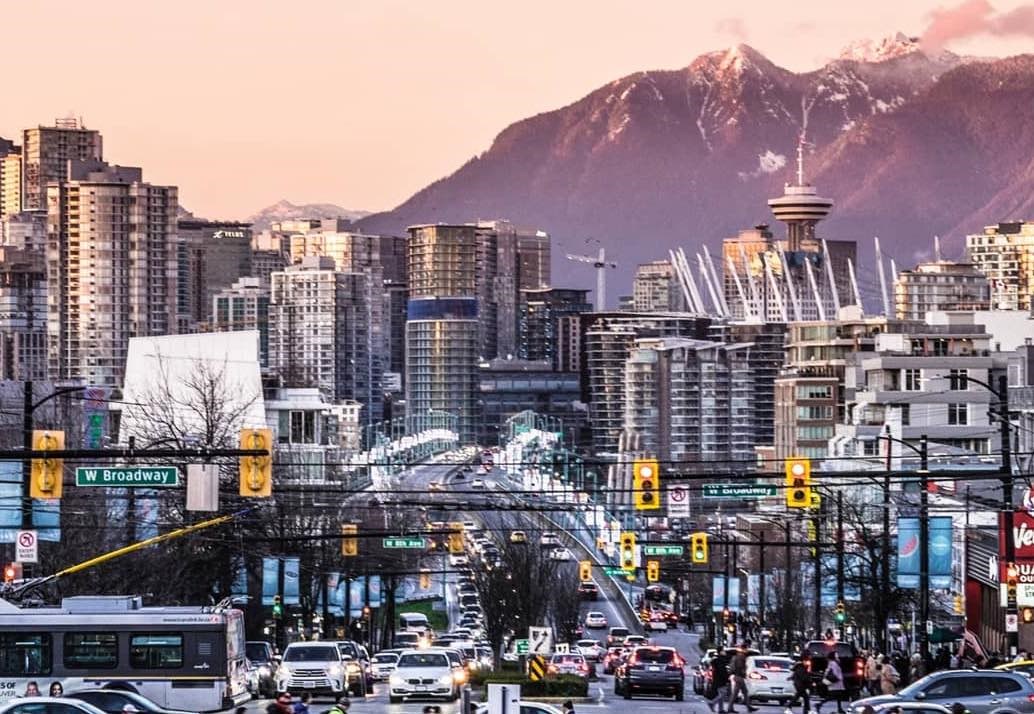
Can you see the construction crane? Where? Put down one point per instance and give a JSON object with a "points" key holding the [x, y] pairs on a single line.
{"points": [[601, 265]]}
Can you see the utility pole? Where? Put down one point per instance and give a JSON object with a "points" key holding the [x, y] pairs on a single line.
{"points": [[924, 551], [816, 520], [885, 560], [787, 592], [761, 581], [840, 556], [1007, 506]]}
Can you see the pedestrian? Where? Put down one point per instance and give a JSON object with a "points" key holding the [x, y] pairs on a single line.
{"points": [[719, 681], [889, 677], [916, 668], [738, 673], [280, 705], [31, 690], [801, 685], [872, 674], [302, 705], [833, 684], [56, 690], [568, 707]]}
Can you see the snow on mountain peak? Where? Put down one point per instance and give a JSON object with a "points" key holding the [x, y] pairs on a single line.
{"points": [[888, 48]]}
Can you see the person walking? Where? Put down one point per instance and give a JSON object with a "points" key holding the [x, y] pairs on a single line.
{"points": [[719, 681], [738, 672], [568, 707], [872, 673], [801, 686], [833, 684], [889, 677], [340, 706], [302, 705]]}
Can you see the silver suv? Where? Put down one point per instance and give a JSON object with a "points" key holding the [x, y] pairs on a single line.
{"points": [[980, 691], [314, 667]]}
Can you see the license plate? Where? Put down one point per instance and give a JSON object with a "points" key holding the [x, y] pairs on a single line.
{"points": [[777, 689], [655, 669], [421, 688], [309, 685]]}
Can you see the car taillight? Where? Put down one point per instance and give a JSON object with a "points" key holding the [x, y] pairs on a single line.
{"points": [[553, 668], [1030, 697], [807, 665], [860, 669]]}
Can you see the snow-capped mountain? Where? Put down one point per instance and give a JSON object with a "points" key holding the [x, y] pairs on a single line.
{"points": [[681, 157], [286, 211], [891, 47]]}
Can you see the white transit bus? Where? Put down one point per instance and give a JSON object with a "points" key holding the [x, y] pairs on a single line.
{"points": [[187, 658]]}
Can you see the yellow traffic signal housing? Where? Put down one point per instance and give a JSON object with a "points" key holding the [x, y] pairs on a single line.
{"points": [[958, 605], [456, 542], [698, 548], [349, 546], [653, 571], [257, 471], [646, 486], [628, 551], [585, 570], [798, 483], [12, 572], [47, 474]]}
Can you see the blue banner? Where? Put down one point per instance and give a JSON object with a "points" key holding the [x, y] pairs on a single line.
{"points": [[239, 586], [270, 579], [940, 552], [719, 601], [337, 597], [356, 596], [146, 513], [292, 581], [908, 552], [375, 590]]}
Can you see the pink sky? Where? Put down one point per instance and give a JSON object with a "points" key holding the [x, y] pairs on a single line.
{"points": [[361, 102]]}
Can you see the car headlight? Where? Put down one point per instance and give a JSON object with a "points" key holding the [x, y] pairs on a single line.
{"points": [[445, 679], [352, 667], [396, 681]]}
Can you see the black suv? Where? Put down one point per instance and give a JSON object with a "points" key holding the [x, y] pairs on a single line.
{"points": [[651, 670]]}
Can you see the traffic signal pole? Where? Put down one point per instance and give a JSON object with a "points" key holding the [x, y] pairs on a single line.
{"points": [[924, 551], [840, 556]]}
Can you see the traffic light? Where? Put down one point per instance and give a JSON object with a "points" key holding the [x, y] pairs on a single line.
{"points": [[840, 615], [958, 605], [349, 546], [698, 548], [798, 483], [585, 570], [646, 487], [1012, 577], [278, 608], [653, 571], [628, 551], [425, 581], [12, 572], [456, 542], [47, 473], [257, 471]]}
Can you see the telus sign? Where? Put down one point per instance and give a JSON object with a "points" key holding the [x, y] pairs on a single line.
{"points": [[1023, 535]]}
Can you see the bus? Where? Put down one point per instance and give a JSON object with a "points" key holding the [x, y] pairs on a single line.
{"points": [[187, 658]]}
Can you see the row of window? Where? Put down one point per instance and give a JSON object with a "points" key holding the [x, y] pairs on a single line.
{"points": [[25, 653]]}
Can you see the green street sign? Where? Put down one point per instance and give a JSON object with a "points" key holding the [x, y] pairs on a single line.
{"points": [[522, 647], [663, 550], [128, 476], [738, 490], [614, 571], [415, 543]]}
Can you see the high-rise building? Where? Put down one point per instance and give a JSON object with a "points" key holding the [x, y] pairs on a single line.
{"points": [[1004, 253], [26, 230], [541, 313], [940, 285], [265, 262], [224, 250], [655, 288], [533, 258], [110, 266], [321, 333], [510, 386], [244, 306], [23, 314], [46, 151], [10, 179]]}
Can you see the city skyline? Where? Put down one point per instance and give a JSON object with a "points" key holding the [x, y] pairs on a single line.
{"points": [[196, 117]]}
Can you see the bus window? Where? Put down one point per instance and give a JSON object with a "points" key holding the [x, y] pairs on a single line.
{"points": [[25, 653], [91, 650], [156, 651]]}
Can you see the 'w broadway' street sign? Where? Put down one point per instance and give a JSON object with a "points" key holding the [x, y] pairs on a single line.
{"points": [[128, 477], [736, 490]]}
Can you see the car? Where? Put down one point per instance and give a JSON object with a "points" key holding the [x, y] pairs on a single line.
{"points": [[356, 658], [383, 665], [655, 620], [435, 486], [590, 649], [46, 705], [852, 664], [562, 555], [613, 658], [460, 476], [470, 526], [987, 691], [407, 640], [617, 636], [911, 708], [423, 673], [595, 620], [702, 671], [588, 590], [569, 663], [651, 670], [115, 701], [467, 468], [635, 641], [485, 659], [478, 483], [262, 660], [1025, 666], [518, 537], [316, 668], [524, 707], [549, 539], [769, 679], [458, 559]]}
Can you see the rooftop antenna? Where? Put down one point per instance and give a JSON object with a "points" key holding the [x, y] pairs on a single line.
{"points": [[800, 157]]}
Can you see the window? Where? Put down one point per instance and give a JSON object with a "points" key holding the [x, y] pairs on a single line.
{"points": [[814, 392], [912, 379], [906, 414], [958, 380], [91, 650], [958, 414], [944, 689], [25, 653], [156, 651], [815, 412]]}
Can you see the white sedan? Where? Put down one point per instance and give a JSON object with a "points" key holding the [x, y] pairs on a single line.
{"points": [[595, 620], [42, 705], [561, 554]]}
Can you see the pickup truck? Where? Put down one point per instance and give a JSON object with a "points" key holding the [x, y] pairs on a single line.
{"points": [[816, 658]]}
